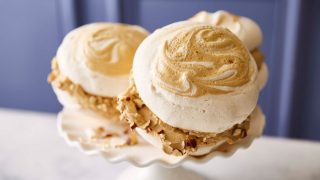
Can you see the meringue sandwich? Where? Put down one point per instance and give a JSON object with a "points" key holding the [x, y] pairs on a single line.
{"points": [[92, 66], [193, 88]]}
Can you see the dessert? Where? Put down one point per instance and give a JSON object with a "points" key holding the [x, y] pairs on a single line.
{"points": [[245, 29], [92, 66], [193, 89]]}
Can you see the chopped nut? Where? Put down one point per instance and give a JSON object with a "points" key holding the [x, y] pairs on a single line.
{"points": [[133, 126], [204, 139], [243, 134], [183, 144], [92, 100], [192, 143], [236, 132], [145, 125], [133, 138], [103, 105], [167, 149], [162, 136], [139, 103], [177, 152]]}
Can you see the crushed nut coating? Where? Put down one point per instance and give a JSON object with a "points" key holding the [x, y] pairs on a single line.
{"points": [[175, 141], [105, 106]]}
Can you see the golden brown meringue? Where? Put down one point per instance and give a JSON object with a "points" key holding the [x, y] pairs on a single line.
{"points": [[201, 60], [109, 48], [99, 54]]}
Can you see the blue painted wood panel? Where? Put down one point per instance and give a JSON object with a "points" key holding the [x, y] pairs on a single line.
{"points": [[28, 40], [305, 113]]}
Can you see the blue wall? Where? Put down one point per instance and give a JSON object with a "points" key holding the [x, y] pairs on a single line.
{"points": [[29, 36], [30, 32]]}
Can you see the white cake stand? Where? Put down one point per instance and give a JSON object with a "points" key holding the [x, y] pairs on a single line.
{"points": [[149, 162]]}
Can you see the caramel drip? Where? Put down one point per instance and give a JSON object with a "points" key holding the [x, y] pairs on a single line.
{"points": [[202, 60], [109, 48]]}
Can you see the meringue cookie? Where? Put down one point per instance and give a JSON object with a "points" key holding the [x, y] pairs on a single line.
{"points": [[99, 56], [214, 85], [244, 28]]}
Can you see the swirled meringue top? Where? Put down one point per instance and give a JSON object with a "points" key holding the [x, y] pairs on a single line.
{"points": [[99, 56], [200, 60], [244, 28], [196, 76]]}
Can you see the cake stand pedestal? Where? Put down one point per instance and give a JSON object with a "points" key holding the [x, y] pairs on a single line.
{"points": [[149, 162], [157, 172]]}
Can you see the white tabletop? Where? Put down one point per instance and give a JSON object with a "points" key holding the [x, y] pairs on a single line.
{"points": [[32, 149]]}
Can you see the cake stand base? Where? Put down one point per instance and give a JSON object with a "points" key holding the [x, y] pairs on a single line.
{"points": [[157, 172], [72, 124]]}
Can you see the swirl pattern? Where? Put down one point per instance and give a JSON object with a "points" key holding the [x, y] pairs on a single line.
{"points": [[202, 60], [109, 48]]}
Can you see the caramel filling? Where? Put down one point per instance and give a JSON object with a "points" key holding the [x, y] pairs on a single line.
{"points": [[103, 105], [202, 60]]}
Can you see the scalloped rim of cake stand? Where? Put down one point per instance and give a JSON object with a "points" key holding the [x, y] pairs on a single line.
{"points": [[71, 124]]}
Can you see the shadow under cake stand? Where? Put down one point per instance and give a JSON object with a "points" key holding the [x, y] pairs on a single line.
{"points": [[149, 162]]}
